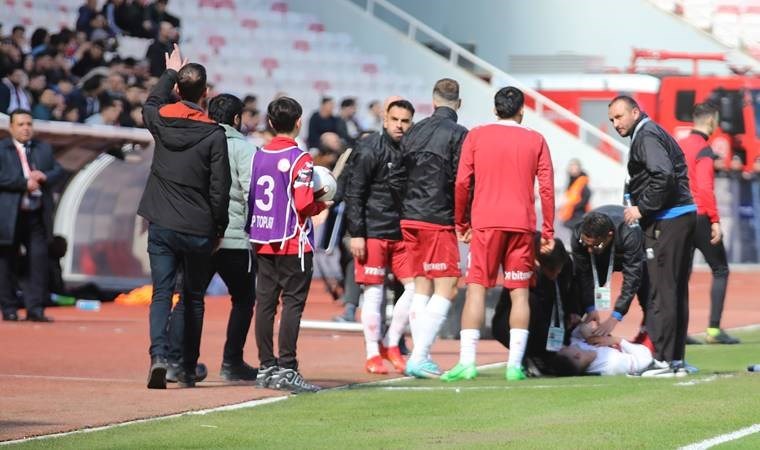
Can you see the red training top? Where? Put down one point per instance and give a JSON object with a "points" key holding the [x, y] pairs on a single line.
{"points": [[505, 158], [699, 159], [303, 199]]}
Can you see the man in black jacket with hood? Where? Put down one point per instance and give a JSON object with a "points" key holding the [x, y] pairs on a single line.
{"points": [[662, 202], [185, 200]]}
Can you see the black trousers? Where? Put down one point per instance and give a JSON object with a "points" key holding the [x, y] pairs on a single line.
{"points": [[30, 232], [668, 244], [280, 275], [237, 267], [715, 255], [171, 251]]}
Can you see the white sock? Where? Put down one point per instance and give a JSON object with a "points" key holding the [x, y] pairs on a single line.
{"points": [[468, 343], [373, 299], [518, 339], [419, 302], [400, 318], [429, 324]]}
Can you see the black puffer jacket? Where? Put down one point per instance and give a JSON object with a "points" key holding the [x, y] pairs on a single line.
{"points": [[371, 210], [657, 170], [629, 259], [424, 183]]}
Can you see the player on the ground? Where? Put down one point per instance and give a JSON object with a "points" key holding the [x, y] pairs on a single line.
{"points": [[373, 223], [425, 187], [505, 158]]}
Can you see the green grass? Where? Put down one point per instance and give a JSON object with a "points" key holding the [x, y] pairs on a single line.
{"points": [[578, 413]]}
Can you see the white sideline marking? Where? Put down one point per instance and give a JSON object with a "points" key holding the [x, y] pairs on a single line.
{"points": [[738, 434], [55, 378], [486, 388], [330, 325], [248, 404], [697, 381]]}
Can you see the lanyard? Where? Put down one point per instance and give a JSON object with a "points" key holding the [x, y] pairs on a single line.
{"points": [[558, 319], [609, 269]]}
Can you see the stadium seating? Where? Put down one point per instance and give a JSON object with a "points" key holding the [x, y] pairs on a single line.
{"points": [[256, 46], [734, 23]]}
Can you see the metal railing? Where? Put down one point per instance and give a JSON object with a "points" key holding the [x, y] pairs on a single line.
{"points": [[461, 57]]}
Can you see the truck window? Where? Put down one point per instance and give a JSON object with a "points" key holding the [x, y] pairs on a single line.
{"points": [[684, 105]]}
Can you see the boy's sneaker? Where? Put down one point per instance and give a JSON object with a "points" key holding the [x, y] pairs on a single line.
{"points": [[460, 372], [265, 375], [238, 372], [422, 369], [515, 373], [393, 354], [291, 380], [664, 369], [376, 365], [721, 337]]}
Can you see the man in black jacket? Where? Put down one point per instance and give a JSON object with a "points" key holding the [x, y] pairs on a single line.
{"points": [[373, 222], [603, 243], [659, 190], [185, 201], [424, 185], [28, 173]]}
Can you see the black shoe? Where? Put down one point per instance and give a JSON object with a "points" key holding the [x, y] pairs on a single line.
{"points": [[184, 380], [692, 341], [238, 372], [291, 380], [157, 373], [265, 375], [38, 318], [722, 338], [10, 317], [201, 372]]}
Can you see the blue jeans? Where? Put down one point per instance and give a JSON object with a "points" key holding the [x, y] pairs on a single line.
{"points": [[169, 252]]}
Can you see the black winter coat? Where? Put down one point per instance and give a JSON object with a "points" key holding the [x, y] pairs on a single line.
{"points": [[424, 184], [658, 172], [13, 185], [628, 258], [371, 209]]}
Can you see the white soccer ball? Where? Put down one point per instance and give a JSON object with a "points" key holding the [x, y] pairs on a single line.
{"points": [[324, 178]]}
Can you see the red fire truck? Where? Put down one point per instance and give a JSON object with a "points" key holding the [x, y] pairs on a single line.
{"points": [[669, 99]]}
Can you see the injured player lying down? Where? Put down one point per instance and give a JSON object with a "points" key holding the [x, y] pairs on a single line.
{"points": [[603, 355]]}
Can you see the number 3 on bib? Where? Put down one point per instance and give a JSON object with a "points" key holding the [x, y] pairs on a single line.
{"points": [[268, 183]]}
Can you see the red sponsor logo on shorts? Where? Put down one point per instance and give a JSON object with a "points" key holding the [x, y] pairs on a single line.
{"points": [[516, 275]]}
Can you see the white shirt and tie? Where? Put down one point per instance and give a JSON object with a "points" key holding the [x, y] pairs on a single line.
{"points": [[31, 201]]}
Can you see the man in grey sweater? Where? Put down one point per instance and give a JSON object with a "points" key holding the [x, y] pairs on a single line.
{"points": [[234, 260]]}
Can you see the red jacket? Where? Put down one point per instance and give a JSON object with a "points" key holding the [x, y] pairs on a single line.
{"points": [[303, 198], [699, 159], [505, 159]]}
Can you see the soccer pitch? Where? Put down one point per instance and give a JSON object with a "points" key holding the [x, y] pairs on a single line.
{"points": [[489, 412]]}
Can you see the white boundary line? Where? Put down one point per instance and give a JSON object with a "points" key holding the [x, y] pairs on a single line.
{"points": [[723, 438], [248, 404], [54, 378], [232, 407]]}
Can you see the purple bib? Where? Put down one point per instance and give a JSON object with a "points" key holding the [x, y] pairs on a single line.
{"points": [[273, 216]]}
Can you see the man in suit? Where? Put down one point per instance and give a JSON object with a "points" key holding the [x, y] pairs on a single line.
{"points": [[28, 172]]}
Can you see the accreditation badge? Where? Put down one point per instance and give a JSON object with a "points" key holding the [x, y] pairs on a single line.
{"points": [[555, 339], [602, 298]]}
